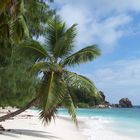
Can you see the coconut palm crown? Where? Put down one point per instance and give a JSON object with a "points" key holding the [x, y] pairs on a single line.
{"points": [[53, 61]]}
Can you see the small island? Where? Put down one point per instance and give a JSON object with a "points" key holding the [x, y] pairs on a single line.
{"points": [[123, 103]]}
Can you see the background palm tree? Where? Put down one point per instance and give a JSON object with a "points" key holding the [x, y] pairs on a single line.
{"points": [[19, 19], [56, 56]]}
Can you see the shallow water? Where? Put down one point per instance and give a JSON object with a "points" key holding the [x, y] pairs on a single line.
{"points": [[124, 122]]}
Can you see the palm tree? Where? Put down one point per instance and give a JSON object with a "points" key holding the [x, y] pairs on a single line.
{"points": [[53, 62], [12, 24], [23, 18], [57, 79], [20, 19]]}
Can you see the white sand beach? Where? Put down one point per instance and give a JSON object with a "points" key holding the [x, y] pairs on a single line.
{"points": [[27, 126]]}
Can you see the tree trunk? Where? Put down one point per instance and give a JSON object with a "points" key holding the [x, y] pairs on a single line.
{"points": [[5, 117]]}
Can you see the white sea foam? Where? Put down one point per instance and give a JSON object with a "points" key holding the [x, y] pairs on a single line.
{"points": [[98, 128]]}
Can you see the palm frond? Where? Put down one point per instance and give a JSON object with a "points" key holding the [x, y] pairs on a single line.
{"points": [[14, 12], [40, 67], [64, 45], [84, 55], [79, 82], [68, 103], [33, 49], [45, 67], [54, 31], [52, 92]]}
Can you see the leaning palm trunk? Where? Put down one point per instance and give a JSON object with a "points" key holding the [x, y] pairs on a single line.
{"points": [[8, 116]]}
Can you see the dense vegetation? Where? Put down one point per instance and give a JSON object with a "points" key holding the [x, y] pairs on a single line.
{"points": [[84, 99], [31, 71], [19, 19]]}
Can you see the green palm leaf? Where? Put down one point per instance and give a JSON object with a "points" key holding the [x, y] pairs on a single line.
{"points": [[69, 104], [40, 67], [54, 31], [45, 67], [52, 93], [64, 45], [31, 48], [86, 54], [79, 82]]}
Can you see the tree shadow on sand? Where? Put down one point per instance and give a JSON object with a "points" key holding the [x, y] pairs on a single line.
{"points": [[26, 132]]}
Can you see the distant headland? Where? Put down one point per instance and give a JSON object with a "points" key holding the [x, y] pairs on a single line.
{"points": [[123, 103]]}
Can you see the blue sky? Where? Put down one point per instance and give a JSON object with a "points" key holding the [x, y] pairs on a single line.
{"points": [[114, 25]]}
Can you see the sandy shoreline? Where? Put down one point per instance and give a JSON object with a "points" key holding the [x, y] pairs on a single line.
{"points": [[27, 126]]}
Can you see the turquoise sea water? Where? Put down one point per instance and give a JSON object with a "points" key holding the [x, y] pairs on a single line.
{"points": [[123, 121]]}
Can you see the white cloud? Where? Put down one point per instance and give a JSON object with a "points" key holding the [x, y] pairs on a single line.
{"points": [[121, 73], [102, 22], [121, 79], [108, 32]]}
